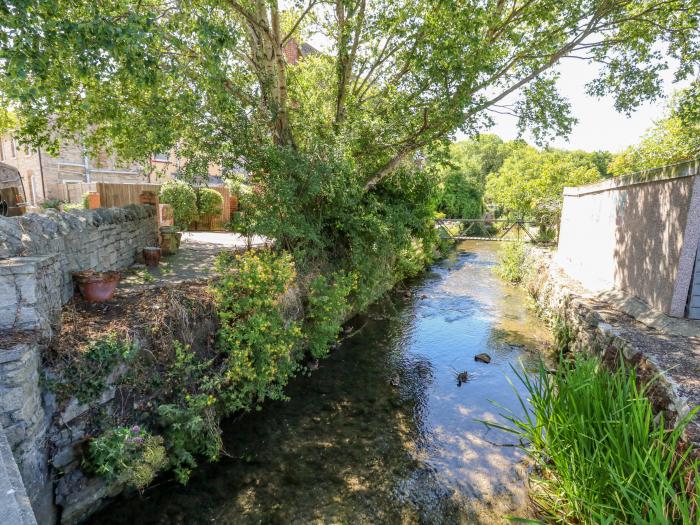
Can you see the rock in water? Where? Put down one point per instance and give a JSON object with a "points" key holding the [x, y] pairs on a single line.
{"points": [[462, 378], [484, 358]]}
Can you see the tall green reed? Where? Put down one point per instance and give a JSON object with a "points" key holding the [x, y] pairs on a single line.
{"points": [[601, 457]]}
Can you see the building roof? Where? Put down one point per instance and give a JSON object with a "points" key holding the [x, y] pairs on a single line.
{"points": [[307, 49]]}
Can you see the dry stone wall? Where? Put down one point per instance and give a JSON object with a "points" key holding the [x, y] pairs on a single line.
{"points": [[38, 253]]}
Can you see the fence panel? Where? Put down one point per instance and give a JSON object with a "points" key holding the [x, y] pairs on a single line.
{"points": [[116, 195], [113, 194], [69, 191]]}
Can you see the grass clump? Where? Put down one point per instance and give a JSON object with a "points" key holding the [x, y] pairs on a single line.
{"points": [[602, 457], [511, 264]]}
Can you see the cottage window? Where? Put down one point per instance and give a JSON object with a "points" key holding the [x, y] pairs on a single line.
{"points": [[161, 157]]}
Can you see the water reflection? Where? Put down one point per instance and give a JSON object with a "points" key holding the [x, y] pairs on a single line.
{"points": [[381, 433]]}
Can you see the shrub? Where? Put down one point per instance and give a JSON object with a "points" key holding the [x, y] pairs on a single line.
{"points": [[259, 343], [317, 210], [182, 197], [601, 454], [209, 203], [511, 264], [53, 204], [130, 455], [326, 310], [72, 207]]}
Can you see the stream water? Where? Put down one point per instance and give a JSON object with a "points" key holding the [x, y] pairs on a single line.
{"points": [[382, 432]]}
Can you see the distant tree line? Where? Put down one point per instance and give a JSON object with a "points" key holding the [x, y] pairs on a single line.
{"points": [[512, 178]]}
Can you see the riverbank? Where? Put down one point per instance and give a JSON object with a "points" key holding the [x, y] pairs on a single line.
{"points": [[138, 386], [610, 325], [382, 431]]}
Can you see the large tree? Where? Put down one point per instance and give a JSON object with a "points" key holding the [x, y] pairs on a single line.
{"points": [[674, 138], [396, 76]]}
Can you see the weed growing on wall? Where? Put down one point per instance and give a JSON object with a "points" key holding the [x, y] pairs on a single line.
{"points": [[602, 456], [131, 455], [563, 334], [191, 429], [84, 375]]}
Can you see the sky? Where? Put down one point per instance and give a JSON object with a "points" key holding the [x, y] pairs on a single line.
{"points": [[599, 126]]}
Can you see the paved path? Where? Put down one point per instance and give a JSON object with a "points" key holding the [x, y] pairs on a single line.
{"points": [[195, 260]]}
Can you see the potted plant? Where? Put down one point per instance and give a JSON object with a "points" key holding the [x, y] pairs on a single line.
{"points": [[95, 286]]}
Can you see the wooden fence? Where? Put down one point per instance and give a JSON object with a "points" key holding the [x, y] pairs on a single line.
{"points": [[69, 191], [114, 194]]}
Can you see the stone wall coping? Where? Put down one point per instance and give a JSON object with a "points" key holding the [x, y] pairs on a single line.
{"points": [[15, 232], [25, 264], [680, 170], [15, 507]]}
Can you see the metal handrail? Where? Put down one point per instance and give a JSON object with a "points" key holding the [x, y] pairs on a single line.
{"points": [[518, 224]]}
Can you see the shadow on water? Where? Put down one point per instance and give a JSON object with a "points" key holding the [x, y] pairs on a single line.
{"points": [[382, 432]]}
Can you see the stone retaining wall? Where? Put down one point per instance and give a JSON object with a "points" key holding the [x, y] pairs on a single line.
{"points": [[596, 327], [38, 252]]}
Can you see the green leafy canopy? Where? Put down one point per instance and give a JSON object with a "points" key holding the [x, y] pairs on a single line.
{"points": [[397, 77]]}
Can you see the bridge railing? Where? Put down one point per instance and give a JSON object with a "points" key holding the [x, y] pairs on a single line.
{"points": [[489, 229]]}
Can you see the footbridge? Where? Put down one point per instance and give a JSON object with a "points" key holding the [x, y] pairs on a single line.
{"points": [[488, 229]]}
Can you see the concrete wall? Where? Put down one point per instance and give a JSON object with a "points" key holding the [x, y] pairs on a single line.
{"points": [[37, 255], [638, 233]]}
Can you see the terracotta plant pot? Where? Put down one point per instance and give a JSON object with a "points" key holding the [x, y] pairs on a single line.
{"points": [[95, 286], [151, 256]]}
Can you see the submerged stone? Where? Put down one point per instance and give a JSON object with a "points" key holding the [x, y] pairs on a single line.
{"points": [[462, 377]]}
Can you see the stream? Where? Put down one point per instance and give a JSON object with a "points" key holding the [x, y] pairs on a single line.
{"points": [[382, 432]]}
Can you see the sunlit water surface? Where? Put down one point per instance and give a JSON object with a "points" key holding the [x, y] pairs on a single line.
{"points": [[382, 432]]}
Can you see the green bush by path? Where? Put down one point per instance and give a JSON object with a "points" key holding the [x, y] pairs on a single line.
{"points": [[209, 203], [601, 455], [182, 197]]}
